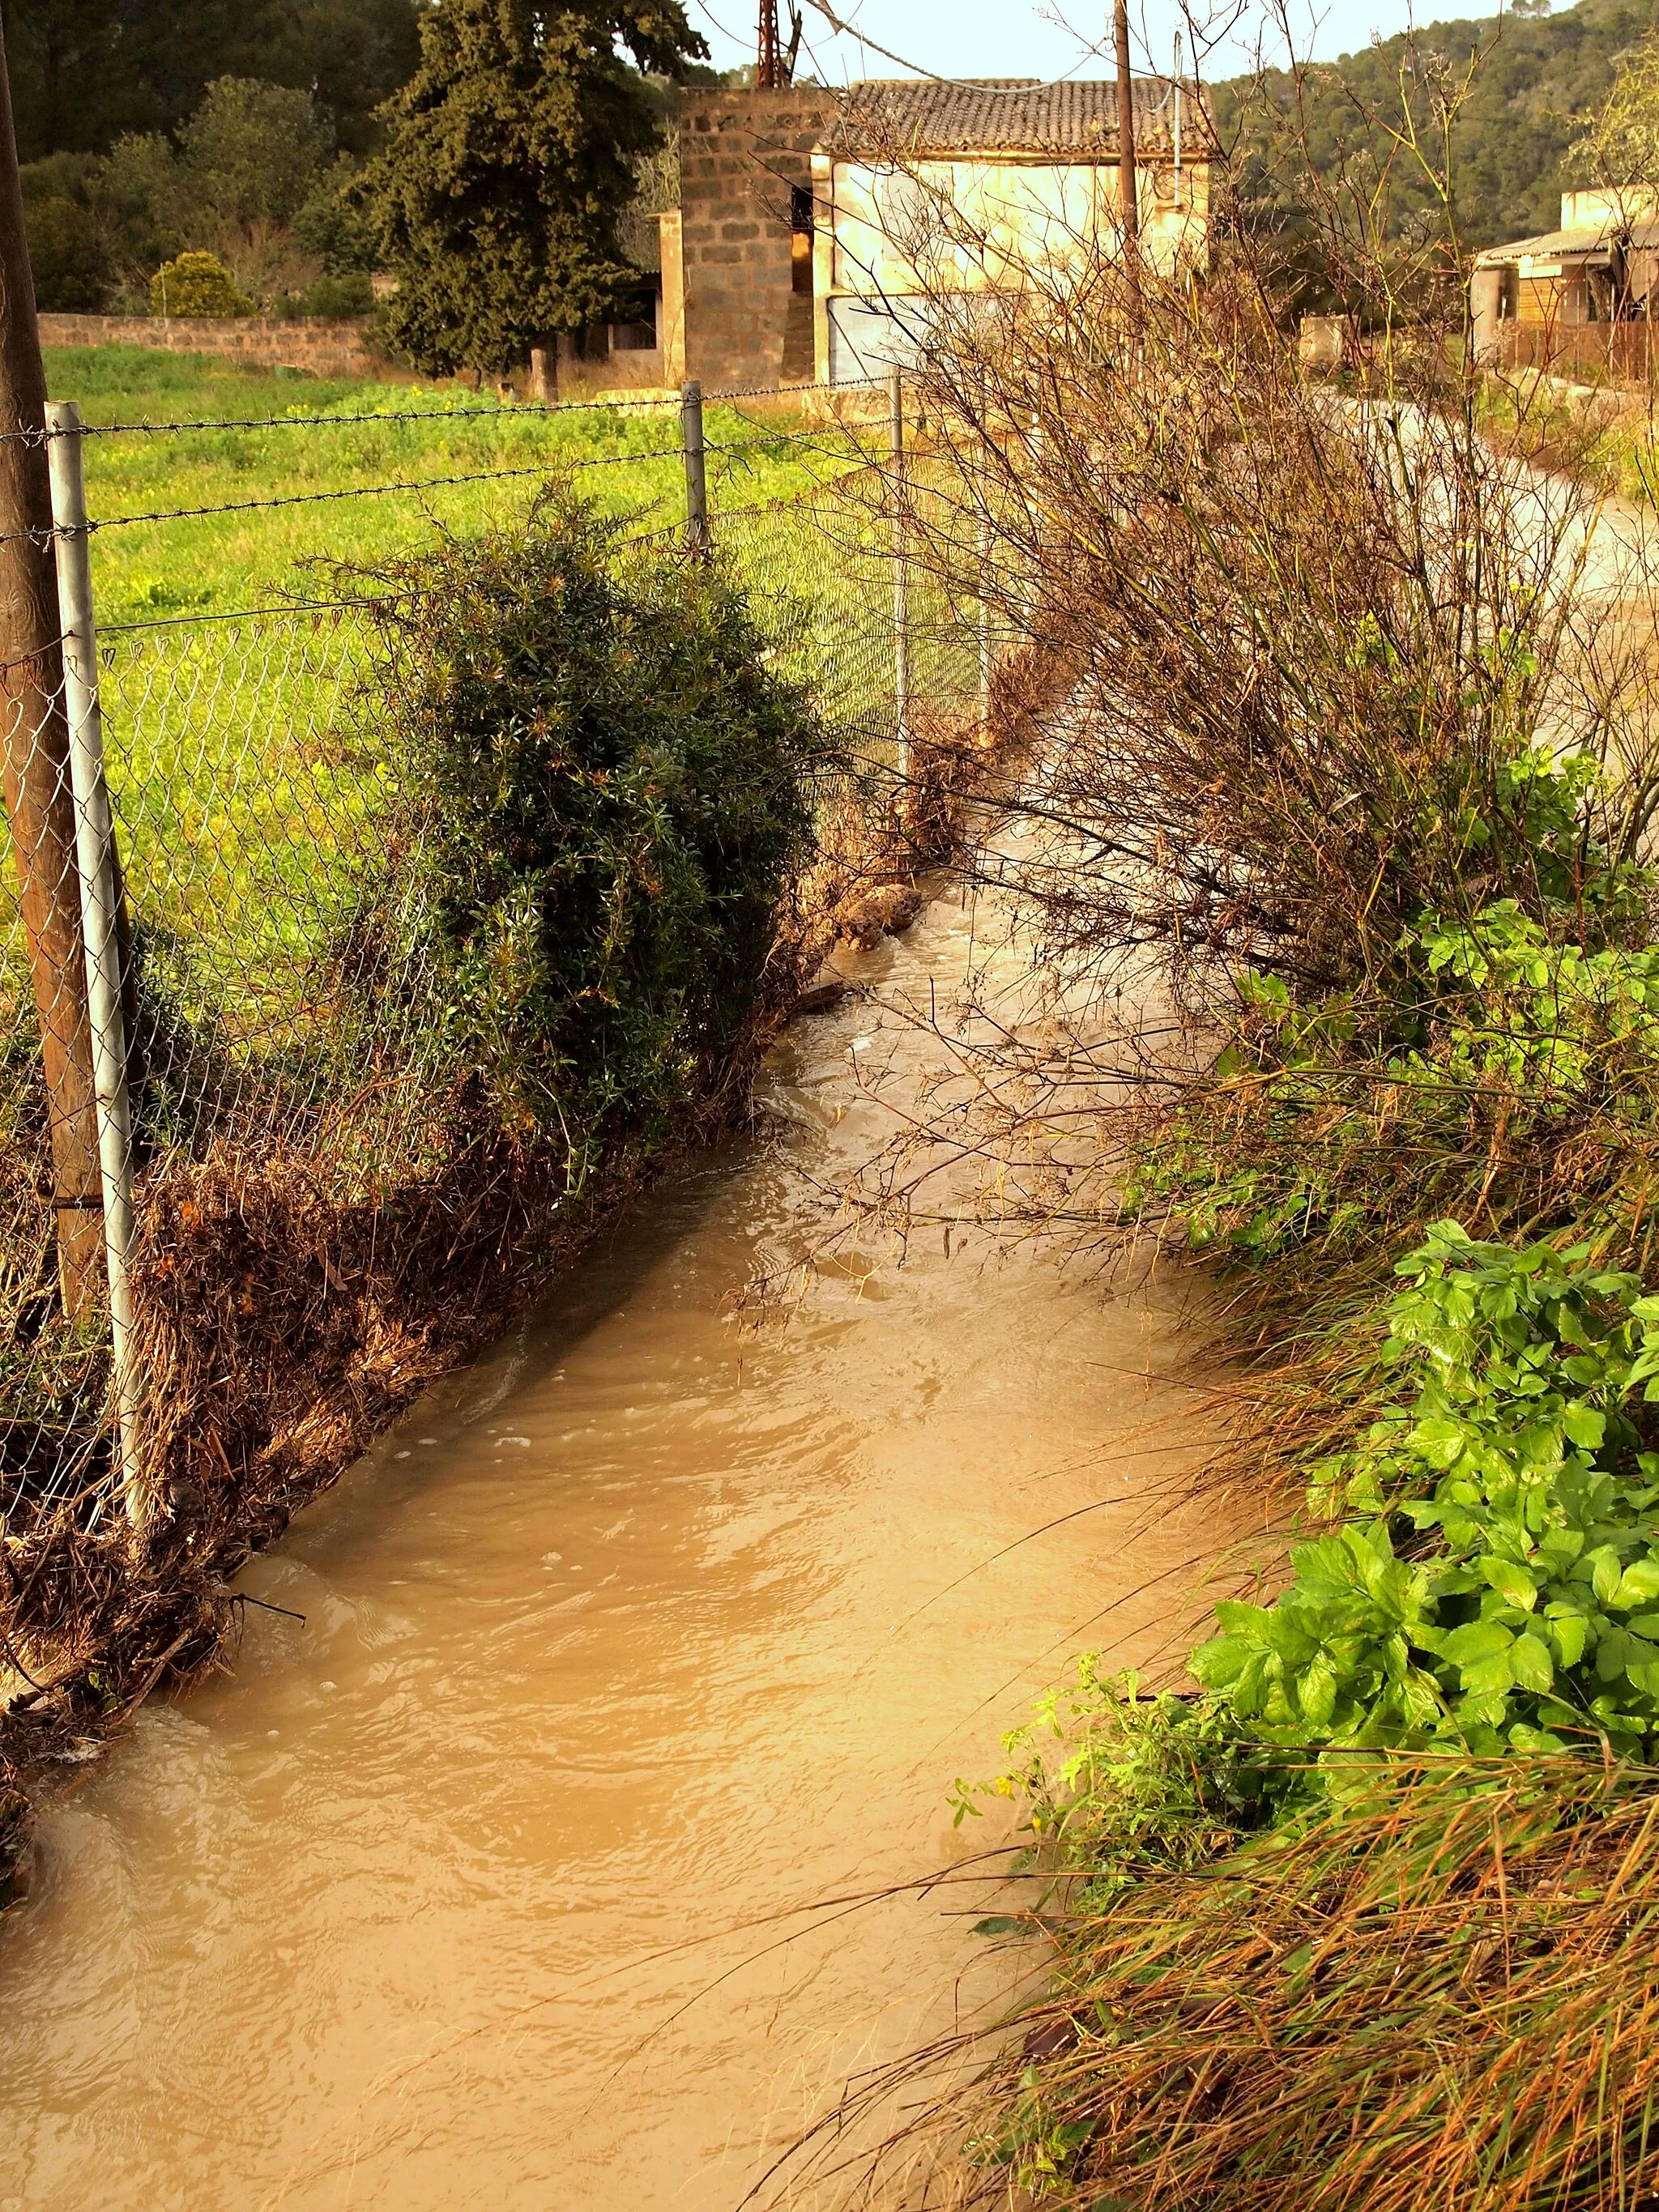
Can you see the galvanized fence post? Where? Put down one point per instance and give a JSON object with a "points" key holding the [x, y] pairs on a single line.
{"points": [[696, 478], [95, 852], [982, 551], [900, 574], [1028, 590]]}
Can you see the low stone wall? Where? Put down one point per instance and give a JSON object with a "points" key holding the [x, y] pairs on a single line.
{"points": [[325, 348]]}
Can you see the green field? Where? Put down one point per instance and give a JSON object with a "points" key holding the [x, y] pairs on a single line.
{"points": [[626, 460], [248, 785]]}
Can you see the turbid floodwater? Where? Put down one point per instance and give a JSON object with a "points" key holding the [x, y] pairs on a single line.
{"points": [[652, 1626]]}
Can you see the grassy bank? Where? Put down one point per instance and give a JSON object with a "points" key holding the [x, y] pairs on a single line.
{"points": [[1356, 1910], [1367, 1918], [210, 564], [550, 967]]}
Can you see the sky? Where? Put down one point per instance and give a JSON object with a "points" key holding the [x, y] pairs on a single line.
{"points": [[1047, 38]]}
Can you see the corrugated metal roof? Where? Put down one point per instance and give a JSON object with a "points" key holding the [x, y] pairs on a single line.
{"points": [[1552, 245], [1019, 115]]}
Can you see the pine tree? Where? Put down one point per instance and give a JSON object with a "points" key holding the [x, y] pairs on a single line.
{"points": [[509, 160]]}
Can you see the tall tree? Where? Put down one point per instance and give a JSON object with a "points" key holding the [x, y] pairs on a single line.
{"points": [[1621, 145], [508, 160]]}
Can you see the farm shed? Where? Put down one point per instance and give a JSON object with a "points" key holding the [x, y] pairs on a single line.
{"points": [[812, 225], [1600, 267]]}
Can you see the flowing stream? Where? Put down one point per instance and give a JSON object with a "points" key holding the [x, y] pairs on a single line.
{"points": [[648, 1628]]}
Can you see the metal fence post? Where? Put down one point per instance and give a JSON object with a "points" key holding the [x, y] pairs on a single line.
{"points": [[982, 549], [696, 479], [1028, 597], [900, 574], [95, 852]]}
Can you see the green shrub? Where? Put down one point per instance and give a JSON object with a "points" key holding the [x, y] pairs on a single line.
{"points": [[606, 787], [67, 257], [196, 284], [1525, 1615], [1117, 1784], [334, 298]]}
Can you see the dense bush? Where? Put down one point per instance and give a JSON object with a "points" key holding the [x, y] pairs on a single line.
{"points": [[605, 787], [196, 284]]}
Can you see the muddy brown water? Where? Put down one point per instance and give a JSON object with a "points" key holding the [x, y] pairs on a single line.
{"points": [[463, 1891]]}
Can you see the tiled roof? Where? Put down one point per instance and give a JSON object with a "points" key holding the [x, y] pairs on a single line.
{"points": [[1019, 115]]}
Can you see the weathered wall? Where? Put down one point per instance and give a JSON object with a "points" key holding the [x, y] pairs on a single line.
{"points": [[325, 349], [740, 154]]}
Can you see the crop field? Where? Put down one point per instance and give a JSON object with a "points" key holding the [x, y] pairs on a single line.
{"points": [[626, 460], [243, 770]]}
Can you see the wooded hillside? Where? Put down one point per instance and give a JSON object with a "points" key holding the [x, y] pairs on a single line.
{"points": [[84, 71], [1538, 76]]}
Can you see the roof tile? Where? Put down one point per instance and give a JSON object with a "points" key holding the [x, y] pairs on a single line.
{"points": [[1019, 115]]}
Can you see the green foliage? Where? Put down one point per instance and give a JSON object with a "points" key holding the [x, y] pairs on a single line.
{"points": [[1526, 1614], [1621, 145], [251, 155], [196, 284], [334, 297], [85, 73], [1505, 1021], [607, 795], [508, 163], [69, 257], [1139, 1783], [253, 179], [333, 228], [1538, 77]]}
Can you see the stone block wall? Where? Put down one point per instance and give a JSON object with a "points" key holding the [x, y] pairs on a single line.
{"points": [[740, 154], [325, 349]]}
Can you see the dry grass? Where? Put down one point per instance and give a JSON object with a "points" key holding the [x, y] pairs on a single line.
{"points": [[1440, 1992]]}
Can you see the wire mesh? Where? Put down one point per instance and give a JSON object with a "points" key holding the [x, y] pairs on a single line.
{"points": [[263, 840]]}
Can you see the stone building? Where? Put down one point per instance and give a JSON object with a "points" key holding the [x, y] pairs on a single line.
{"points": [[812, 225]]}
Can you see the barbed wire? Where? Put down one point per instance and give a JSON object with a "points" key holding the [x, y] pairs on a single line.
{"points": [[502, 411], [45, 536], [202, 615]]}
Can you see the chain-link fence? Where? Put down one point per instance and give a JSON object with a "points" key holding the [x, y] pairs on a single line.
{"points": [[209, 1030]]}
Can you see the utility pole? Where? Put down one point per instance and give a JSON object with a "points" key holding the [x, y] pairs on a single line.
{"points": [[775, 62], [34, 740], [1128, 190]]}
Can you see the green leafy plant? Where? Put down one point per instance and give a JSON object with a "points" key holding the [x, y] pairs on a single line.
{"points": [[1524, 1614], [1125, 1782]]}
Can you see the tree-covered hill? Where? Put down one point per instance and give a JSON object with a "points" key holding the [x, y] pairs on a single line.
{"points": [[1537, 77], [85, 71]]}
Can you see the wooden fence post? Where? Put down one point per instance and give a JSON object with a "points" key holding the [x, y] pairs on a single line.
{"points": [[34, 733]]}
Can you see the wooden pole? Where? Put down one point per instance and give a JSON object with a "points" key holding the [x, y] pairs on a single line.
{"points": [[39, 791], [1128, 188], [100, 924]]}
